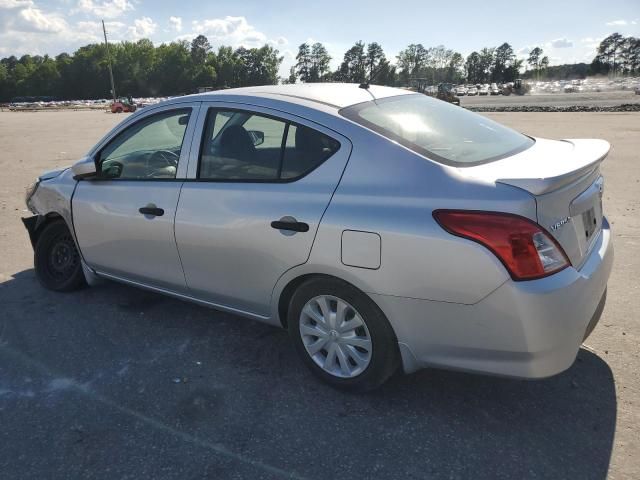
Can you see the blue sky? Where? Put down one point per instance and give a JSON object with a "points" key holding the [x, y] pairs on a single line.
{"points": [[568, 31]]}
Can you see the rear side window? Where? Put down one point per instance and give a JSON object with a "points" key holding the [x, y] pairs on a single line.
{"points": [[438, 130], [246, 146], [305, 149]]}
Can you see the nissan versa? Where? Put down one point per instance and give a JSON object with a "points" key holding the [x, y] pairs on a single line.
{"points": [[381, 227]]}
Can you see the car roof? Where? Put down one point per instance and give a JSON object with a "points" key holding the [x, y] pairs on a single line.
{"points": [[336, 95]]}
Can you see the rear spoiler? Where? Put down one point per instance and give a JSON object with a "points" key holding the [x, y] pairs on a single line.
{"points": [[585, 157]]}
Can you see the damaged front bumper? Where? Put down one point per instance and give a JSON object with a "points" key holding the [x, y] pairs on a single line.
{"points": [[31, 224]]}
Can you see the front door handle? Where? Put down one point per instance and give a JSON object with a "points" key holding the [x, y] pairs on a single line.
{"points": [[292, 225], [153, 211]]}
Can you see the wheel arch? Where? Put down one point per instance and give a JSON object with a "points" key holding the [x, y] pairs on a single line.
{"points": [[286, 287], [35, 225], [287, 292]]}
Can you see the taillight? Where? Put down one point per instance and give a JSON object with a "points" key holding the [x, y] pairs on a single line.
{"points": [[523, 246]]}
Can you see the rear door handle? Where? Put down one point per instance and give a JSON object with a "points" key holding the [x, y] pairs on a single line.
{"points": [[293, 226], [153, 211]]}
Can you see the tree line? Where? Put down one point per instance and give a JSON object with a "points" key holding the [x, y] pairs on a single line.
{"points": [[142, 69], [617, 55]]}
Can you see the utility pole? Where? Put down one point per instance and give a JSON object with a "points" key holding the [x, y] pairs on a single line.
{"points": [[106, 44]]}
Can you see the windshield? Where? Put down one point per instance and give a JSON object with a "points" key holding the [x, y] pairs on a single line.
{"points": [[438, 130]]}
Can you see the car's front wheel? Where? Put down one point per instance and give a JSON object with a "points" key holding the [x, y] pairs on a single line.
{"points": [[56, 259], [342, 335]]}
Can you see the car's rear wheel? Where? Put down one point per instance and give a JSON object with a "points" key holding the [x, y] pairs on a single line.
{"points": [[56, 259], [342, 335]]}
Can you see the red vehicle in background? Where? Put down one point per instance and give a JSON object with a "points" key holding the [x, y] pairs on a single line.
{"points": [[123, 104]]}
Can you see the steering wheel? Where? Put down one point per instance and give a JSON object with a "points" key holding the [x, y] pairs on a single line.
{"points": [[170, 158], [162, 164]]}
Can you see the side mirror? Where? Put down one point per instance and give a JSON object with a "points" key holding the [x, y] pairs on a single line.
{"points": [[257, 137], [84, 168]]}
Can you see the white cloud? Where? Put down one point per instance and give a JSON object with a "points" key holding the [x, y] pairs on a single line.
{"points": [[616, 23], [104, 9], [25, 16], [561, 43], [234, 31], [33, 18], [15, 3], [27, 28], [115, 30], [142, 28], [280, 42], [591, 44], [176, 23]]}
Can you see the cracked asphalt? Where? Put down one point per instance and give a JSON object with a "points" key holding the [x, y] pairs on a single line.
{"points": [[117, 383]]}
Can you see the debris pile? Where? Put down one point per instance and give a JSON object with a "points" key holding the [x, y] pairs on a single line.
{"points": [[626, 107]]}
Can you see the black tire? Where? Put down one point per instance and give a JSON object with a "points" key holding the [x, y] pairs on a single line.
{"points": [[56, 259], [385, 357]]}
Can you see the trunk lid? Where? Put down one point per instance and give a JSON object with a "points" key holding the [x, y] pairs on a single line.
{"points": [[564, 178]]}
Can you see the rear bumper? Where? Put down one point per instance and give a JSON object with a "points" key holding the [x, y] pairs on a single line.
{"points": [[522, 329]]}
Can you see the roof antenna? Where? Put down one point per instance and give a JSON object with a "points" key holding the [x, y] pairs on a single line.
{"points": [[367, 83]]}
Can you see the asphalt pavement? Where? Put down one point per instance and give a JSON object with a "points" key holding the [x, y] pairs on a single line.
{"points": [[112, 382]]}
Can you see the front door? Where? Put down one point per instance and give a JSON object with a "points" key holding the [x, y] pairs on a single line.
{"points": [[263, 184], [124, 218]]}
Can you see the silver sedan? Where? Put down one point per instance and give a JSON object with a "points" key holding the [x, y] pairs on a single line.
{"points": [[383, 228]]}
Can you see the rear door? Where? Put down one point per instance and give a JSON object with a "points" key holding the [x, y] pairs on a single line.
{"points": [[263, 182]]}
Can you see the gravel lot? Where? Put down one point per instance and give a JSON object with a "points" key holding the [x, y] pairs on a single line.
{"points": [[116, 383]]}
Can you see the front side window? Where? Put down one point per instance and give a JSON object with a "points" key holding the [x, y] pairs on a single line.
{"points": [[246, 146], [149, 149], [438, 130]]}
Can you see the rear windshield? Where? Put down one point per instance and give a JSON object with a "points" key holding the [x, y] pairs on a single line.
{"points": [[438, 130]]}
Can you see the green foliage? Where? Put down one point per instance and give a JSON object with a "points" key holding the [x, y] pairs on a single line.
{"points": [[412, 62], [142, 69], [503, 65], [257, 66], [374, 59], [139, 69], [473, 67], [365, 63], [562, 72], [354, 65], [433, 65], [617, 54], [498, 65], [537, 62], [312, 63]]}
